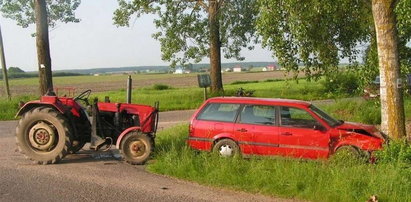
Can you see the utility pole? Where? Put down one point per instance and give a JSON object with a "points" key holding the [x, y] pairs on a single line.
{"points": [[3, 65]]}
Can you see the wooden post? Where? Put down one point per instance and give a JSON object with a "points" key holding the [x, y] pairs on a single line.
{"points": [[205, 94], [4, 67]]}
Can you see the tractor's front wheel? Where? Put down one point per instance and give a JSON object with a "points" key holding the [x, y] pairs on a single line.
{"points": [[136, 148], [43, 135]]}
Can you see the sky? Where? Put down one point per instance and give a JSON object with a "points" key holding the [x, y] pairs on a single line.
{"points": [[95, 42]]}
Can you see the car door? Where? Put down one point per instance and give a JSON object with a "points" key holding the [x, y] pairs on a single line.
{"points": [[215, 119], [301, 135], [257, 130]]}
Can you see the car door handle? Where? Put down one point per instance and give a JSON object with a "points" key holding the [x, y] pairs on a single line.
{"points": [[287, 133], [242, 130]]}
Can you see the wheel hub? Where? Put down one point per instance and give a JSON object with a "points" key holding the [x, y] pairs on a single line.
{"points": [[226, 150], [137, 148], [42, 136]]}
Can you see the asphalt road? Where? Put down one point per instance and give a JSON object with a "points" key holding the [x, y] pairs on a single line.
{"points": [[101, 176]]}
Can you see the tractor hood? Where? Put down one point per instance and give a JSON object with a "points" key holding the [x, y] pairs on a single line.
{"points": [[363, 129]]}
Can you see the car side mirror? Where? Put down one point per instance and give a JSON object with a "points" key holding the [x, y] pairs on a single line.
{"points": [[319, 127]]}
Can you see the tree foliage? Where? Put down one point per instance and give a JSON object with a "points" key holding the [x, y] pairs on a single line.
{"points": [[22, 11], [13, 70], [184, 26], [318, 34]]}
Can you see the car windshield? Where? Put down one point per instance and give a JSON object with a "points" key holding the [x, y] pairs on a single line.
{"points": [[324, 116]]}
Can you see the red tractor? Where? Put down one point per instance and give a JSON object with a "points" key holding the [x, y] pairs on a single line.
{"points": [[52, 127]]}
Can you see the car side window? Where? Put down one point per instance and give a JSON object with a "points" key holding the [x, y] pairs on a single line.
{"points": [[299, 118], [258, 114], [219, 112]]}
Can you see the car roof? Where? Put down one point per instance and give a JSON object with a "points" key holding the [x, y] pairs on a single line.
{"points": [[253, 100]]}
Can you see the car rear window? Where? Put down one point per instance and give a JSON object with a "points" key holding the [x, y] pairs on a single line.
{"points": [[219, 112]]}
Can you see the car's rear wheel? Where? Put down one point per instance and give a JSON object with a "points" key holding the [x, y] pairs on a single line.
{"points": [[226, 148]]}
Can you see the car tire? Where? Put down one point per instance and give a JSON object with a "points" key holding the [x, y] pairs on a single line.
{"points": [[226, 148], [349, 153]]}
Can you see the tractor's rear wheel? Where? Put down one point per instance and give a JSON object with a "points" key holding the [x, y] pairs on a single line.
{"points": [[43, 135], [136, 148]]}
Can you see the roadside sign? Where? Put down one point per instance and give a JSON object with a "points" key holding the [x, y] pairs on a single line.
{"points": [[204, 80]]}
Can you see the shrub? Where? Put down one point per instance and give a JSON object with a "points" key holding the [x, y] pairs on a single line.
{"points": [[161, 87], [395, 152], [243, 82], [273, 80], [344, 82]]}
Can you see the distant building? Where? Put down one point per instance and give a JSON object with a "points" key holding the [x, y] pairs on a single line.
{"points": [[181, 71], [237, 68], [271, 67]]}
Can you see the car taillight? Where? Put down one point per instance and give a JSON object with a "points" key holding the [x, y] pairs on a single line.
{"points": [[190, 129]]}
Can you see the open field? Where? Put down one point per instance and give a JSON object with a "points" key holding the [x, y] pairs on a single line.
{"points": [[191, 97], [116, 82]]}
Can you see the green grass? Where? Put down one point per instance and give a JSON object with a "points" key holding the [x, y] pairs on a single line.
{"points": [[191, 97], [288, 178], [9, 108], [361, 111]]}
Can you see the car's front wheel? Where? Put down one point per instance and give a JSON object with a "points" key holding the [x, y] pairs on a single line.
{"points": [[349, 153], [226, 148]]}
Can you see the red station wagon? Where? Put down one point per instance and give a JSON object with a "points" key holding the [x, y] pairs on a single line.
{"points": [[283, 127]]}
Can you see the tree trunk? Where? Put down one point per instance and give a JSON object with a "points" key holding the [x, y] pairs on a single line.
{"points": [[215, 46], [4, 67], [392, 104], [43, 48]]}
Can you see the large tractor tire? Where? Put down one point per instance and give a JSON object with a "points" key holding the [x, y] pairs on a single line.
{"points": [[43, 135], [136, 148]]}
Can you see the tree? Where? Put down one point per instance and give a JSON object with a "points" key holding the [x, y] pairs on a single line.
{"points": [[319, 34], [392, 105], [4, 68], [13, 70], [314, 33], [193, 29], [43, 13]]}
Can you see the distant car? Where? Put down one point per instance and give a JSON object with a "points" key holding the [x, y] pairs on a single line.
{"points": [[282, 127]]}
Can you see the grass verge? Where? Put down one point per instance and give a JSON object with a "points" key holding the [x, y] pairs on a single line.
{"points": [[9, 108], [191, 97], [287, 178]]}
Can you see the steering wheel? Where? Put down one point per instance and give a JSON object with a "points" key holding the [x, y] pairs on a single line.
{"points": [[83, 96]]}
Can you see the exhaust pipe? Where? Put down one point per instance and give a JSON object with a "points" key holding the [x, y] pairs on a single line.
{"points": [[129, 84]]}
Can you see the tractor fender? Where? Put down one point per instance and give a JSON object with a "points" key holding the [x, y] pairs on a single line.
{"points": [[124, 133], [34, 104]]}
